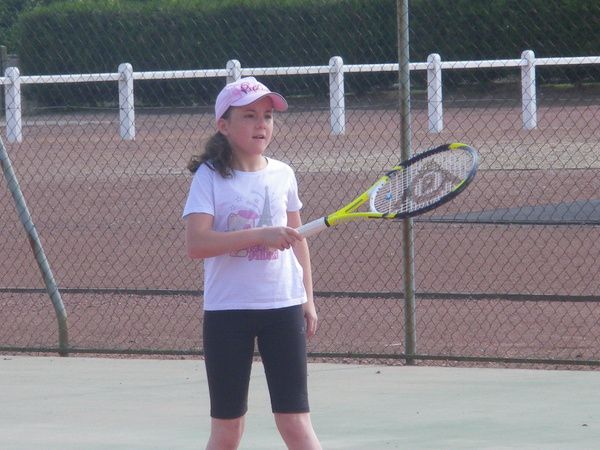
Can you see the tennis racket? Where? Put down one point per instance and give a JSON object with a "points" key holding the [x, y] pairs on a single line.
{"points": [[417, 185]]}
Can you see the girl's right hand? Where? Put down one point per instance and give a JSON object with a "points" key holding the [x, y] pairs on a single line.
{"points": [[280, 238]]}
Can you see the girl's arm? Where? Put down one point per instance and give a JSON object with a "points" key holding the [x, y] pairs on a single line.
{"points": [[203, 242], [302, 253]]}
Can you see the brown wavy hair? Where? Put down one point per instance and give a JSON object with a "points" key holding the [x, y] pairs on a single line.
{"points": [[217, 155]]}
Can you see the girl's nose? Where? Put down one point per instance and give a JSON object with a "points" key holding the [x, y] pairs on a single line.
{"points": [[262, 122]]}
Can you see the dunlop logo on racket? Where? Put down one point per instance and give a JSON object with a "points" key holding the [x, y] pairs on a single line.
{"points": [[413, 187], [427, 186]]}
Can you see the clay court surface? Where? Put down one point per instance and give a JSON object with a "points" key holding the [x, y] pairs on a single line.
{"points": [[108, 212]]}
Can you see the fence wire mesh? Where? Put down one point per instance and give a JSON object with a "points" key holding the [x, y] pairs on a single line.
{"points": [[505, 272]]}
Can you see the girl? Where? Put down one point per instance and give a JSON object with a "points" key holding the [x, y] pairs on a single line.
{"points": [[240, 215]]}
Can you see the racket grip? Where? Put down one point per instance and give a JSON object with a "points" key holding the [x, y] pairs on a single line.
{"points": [[312, 228]]}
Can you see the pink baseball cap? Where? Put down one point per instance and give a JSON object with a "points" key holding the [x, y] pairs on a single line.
{"points": [[243, 92]]}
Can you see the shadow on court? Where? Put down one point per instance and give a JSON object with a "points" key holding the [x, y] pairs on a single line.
{"points": [[91, 403], [583, 212]]}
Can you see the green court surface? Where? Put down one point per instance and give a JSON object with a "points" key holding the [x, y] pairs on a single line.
{"points": [[54, 403]]}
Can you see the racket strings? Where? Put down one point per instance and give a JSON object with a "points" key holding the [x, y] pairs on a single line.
{"points": [[422, 183]]}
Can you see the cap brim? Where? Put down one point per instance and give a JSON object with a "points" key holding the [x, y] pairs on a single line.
{"points": [[279, 103]]}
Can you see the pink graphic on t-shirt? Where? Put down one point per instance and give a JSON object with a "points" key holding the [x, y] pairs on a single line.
{"points": [[244, 220]]}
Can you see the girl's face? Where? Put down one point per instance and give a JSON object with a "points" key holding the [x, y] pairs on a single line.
{"points": [[248, 129]]}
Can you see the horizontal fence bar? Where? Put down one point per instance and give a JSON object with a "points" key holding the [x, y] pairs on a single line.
{"points": [[336, 70], [329, 355], [298, 70], [180, 74], [279, 71], [482, 64], [568, 61], [81, 78], [103, 351], [109, 291], [474, 296], [509, 360], [484, 359]]}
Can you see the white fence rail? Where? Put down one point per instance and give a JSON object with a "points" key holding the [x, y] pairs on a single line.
{"points": [[125, 77]]}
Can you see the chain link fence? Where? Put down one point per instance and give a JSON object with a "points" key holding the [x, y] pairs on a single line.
{"points": [[99, 122]]}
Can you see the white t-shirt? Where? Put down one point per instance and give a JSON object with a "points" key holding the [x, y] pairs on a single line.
{"points": [[253, 278]]}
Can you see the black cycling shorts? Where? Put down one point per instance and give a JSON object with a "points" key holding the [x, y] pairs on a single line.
{"points": [[229, 338]]}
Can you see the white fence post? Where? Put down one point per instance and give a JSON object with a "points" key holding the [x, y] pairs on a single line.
{"points": [[528, 91], [336, 95], [434, 93], [235, 70], [12, 96], [126, 102]]}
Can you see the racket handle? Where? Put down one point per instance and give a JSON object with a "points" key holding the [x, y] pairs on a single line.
{"points": [[312, 228]]}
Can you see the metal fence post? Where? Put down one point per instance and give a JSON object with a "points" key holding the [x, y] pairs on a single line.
{"points": [[434, 93], [12, 93], [528, 92], [336, 95], [126, 102], [408, 244], [38, 250]]}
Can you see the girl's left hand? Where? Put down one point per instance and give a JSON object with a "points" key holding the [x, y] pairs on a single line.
{"points": [[310, 314]]}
